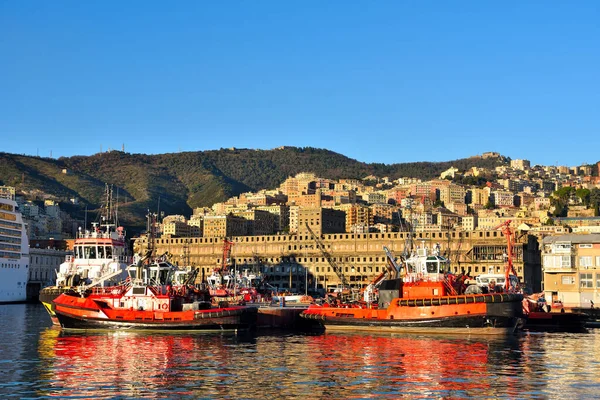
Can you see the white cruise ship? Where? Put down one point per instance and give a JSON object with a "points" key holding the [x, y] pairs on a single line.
{"points": [[14, 251]]}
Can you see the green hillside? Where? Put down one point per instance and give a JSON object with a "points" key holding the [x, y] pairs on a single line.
{"points": [[178, 182]]}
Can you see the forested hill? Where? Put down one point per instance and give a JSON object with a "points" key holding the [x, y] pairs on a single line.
{"points": [[182, 181]]}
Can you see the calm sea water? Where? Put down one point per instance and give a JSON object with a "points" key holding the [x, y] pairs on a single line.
{"points": [[39, 361]]}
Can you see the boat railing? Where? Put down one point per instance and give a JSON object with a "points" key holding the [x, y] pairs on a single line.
{"points": [[98, 234], [420, 277], [108, 290], [126, 284], [155, 287]]}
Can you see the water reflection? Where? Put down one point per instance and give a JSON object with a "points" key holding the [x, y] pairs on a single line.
{"points": [[416, 366], [136, 364], [140, 364], [284, 365]]}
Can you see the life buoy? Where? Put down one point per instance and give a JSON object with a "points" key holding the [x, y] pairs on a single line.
{"points": [[165, 306]]}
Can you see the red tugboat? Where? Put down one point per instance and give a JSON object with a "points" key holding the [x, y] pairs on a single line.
{"points": [[147, 300], [423, 297], [100, 257], [152, 297]]}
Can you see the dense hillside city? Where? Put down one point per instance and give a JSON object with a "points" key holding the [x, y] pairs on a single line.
{"points": [[467, 197], [179, 182]]}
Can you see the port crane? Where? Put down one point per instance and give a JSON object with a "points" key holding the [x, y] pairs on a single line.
{"points": [[227, 245], [392, 267], [510, 268], [337, 269], [392, 271]]}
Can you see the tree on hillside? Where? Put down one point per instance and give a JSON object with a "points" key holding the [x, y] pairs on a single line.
{"points": [[595, 199], [584, 196], [559, 207], [560, 200], [564, 193]]}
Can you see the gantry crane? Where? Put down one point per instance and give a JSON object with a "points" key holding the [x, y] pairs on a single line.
{"points": [[337, 269]]}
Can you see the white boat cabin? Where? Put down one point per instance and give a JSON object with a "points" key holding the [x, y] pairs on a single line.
{"points": [[426, 264]]}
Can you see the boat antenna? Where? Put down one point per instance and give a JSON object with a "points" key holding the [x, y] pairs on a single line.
{"points": [[117, 209], [408, 243]]}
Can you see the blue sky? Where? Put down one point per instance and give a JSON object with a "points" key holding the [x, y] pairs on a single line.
{"points": [[380, 81]]}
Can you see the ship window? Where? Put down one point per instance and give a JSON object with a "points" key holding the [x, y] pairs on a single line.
{"points": [[100, 251], [431, 267], [108, 252]]}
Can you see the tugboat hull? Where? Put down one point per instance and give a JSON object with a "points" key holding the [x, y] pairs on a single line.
{"points": [[47, 296], [480, 325], [94, 313], [483, 314], [222, 321]]}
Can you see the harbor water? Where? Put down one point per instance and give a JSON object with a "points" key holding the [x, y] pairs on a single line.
{"points": [[40, 361]]}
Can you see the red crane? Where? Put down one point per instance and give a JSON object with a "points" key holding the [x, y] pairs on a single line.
{"points": [[227, 245], [508, 234]]}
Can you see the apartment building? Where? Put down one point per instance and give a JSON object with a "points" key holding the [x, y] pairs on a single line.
{"points": [[571, 265], [180, 229], [305, 200], [478, 196], [357, 215], [469, 222], [423, 190], [383, 213], [502, 198], [259, 222], [281, 213], [457, 208], [452, 194], [375, 198], [321, 220], [219, 226]]}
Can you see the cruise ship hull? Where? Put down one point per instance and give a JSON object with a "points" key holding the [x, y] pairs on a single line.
{"points": [[14, 253]]}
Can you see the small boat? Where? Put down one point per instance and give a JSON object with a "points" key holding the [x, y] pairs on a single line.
{"points": [[425, 298], [292, 299], [228, 283], [543, 317], [148, 299], [231, 285], [556, 322]]}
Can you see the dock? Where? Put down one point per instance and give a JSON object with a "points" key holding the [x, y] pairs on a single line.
{"points": [[278, 317]]}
